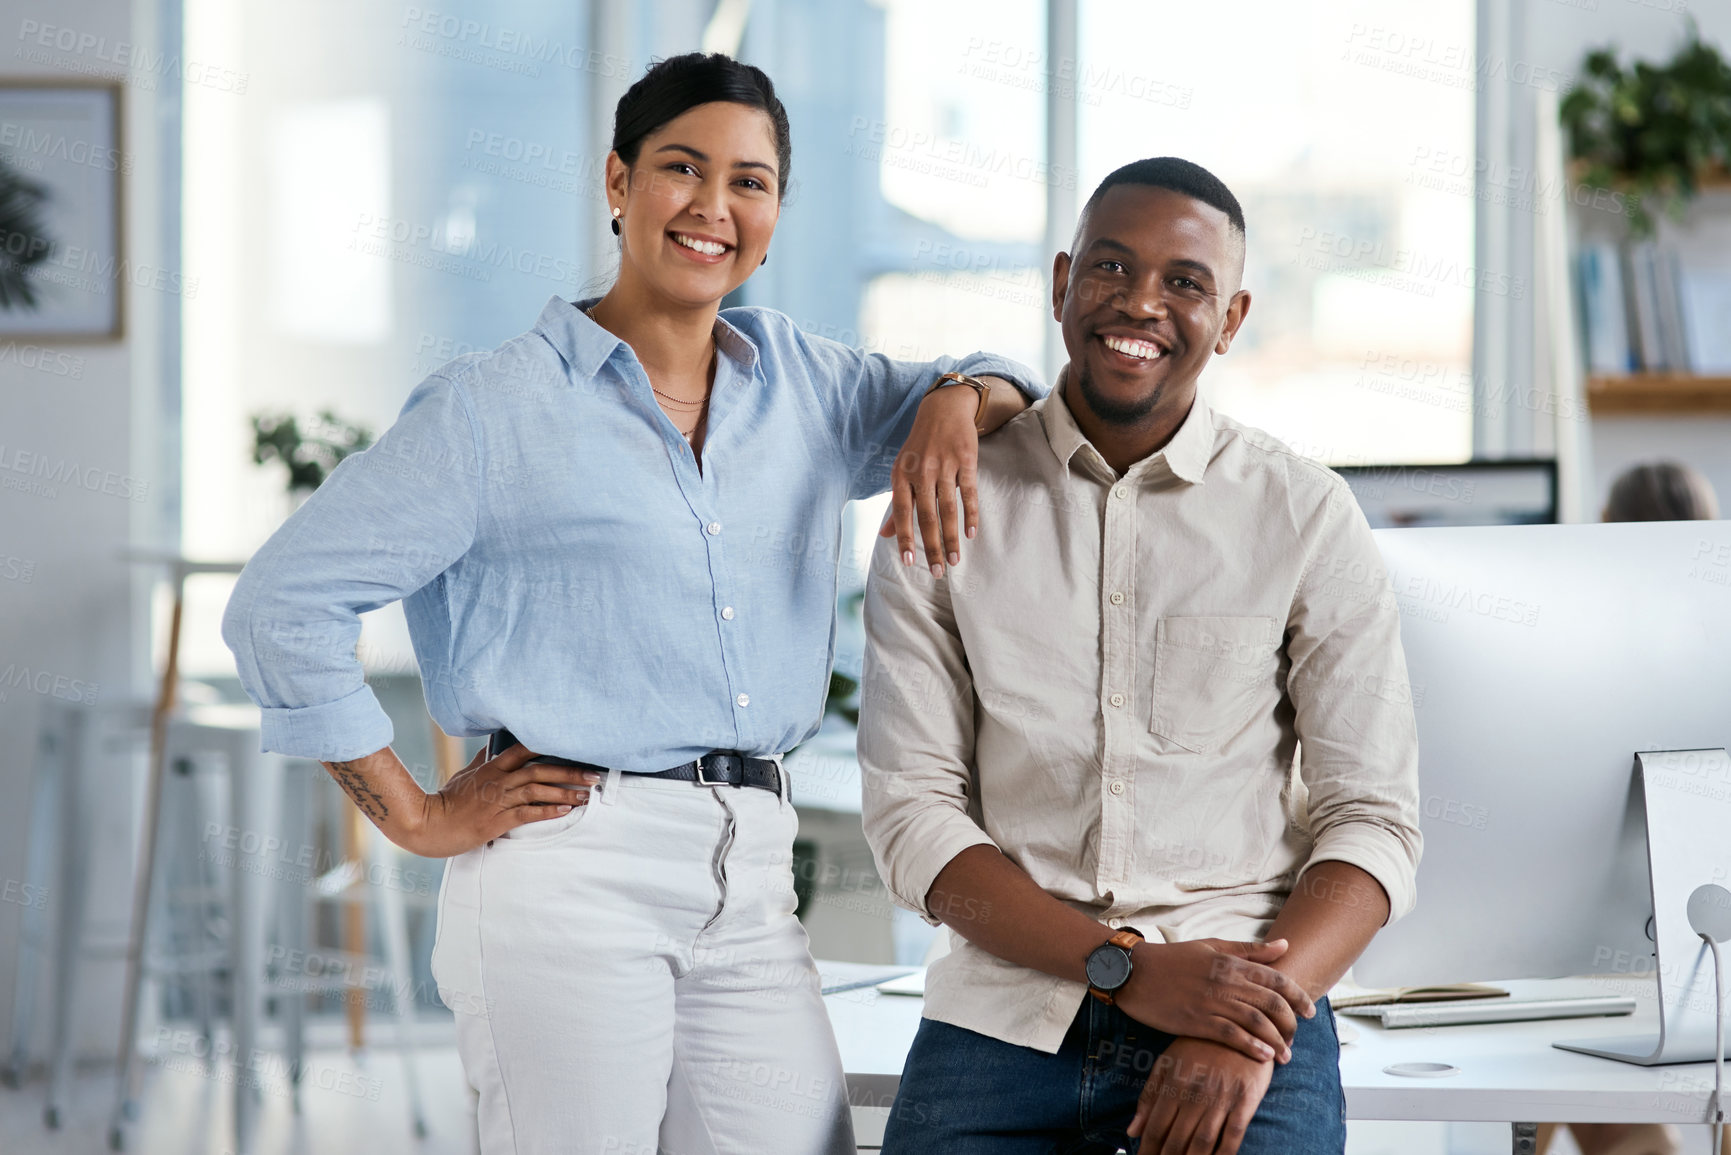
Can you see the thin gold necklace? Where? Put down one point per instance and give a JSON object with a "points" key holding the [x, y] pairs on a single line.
{"points": [[687, 406], [698, 404]]}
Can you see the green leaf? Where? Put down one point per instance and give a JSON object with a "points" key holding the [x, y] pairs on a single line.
{"points": [[1650, 129], [24, 239], [309, 455]]}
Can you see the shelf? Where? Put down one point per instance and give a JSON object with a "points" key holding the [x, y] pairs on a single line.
{"points": [[1659, 393], [1708, 179]]}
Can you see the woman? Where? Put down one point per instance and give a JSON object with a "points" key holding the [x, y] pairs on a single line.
{"points": [[603, 534]]}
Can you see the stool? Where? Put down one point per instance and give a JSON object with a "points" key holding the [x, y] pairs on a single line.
{"points": [[185, 742], [71, 738], [299, 893], [256, 811]]}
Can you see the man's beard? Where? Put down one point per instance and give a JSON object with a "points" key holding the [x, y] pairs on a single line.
{"points": [[1113, 412]]}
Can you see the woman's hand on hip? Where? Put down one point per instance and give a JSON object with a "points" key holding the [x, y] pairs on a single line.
{"points": [[484, 800], [941, 455], [491, 796]]}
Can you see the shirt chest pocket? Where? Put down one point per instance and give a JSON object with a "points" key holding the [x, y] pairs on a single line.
{"points": [[1210, 675]]}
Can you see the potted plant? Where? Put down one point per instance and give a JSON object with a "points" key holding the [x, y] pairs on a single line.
{"points": [[308, 454], [1651, 131]]}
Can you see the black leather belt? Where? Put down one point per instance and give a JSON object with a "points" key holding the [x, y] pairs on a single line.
{"points": [[727, 768], [716, 768]]}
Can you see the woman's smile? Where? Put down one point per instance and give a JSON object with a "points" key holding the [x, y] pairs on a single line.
{"points": [[704, 250]]}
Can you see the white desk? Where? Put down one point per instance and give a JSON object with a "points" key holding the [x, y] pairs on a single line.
{"points": [[1508, 1072]]}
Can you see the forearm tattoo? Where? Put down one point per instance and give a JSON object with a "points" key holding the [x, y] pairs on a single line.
{"points": [[371, 802]]}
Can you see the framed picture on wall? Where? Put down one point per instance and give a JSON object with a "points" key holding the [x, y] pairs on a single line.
{"points": [[62, 263]]}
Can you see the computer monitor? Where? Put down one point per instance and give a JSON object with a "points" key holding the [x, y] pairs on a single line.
{"points": [[1506, 492], [1542, 660]]}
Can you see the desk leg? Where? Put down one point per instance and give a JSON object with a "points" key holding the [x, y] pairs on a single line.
{"points": [[1526, 1136], [251, 783], [130, 1075]]}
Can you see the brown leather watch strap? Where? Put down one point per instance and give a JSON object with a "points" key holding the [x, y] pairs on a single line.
{"points": [[1126, 938]]}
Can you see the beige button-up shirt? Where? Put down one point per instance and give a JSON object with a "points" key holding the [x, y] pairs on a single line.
{"points": [[1112, 688]]}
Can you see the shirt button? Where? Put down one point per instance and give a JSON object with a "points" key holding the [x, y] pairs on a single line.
{"points": [[1117, 598], [712, 528], [1116, 699], [744, 700], [1114, 923], [1117, 787], [1121, 491], [727, 613]]}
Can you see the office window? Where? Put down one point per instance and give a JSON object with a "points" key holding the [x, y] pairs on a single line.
{"points": [[961, 153], [1345, 128], [398, 186]]}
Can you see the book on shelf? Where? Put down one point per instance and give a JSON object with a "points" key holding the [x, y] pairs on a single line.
{"points": [[1669, 309], [1645, 309], [1606, 322], [1643, 298], [1707, 317]]}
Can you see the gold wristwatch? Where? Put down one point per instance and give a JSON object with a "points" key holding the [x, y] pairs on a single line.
{"points": [[974, 383]]}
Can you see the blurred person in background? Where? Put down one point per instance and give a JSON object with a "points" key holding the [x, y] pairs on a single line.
{"points": [[1661, 491], [616, 538]]}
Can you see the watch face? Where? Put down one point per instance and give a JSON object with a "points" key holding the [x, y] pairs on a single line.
{"points": [[1108, 967]]}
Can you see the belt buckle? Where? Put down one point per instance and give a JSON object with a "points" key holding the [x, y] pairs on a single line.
{"points": [[704, 781]]}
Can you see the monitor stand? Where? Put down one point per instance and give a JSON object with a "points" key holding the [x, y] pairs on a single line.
{"points": [[1688, 797]]}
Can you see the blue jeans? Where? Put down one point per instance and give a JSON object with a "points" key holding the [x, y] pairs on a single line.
{"points": [[964, 1093]]}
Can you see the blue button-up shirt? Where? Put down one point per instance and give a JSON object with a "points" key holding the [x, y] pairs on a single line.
{"points": [[566, 568]]}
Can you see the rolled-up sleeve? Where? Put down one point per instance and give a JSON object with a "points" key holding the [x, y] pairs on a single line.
{"points": [[916, 735], [1353, 706], [384, 524], [872, 400]]}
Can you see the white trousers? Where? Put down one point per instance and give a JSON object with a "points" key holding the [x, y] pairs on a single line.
{"points": [[629, 979]]}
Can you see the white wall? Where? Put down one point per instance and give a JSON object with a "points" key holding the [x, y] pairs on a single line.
{"points": [[1702, 441], [80, 614], [1560, 33]]}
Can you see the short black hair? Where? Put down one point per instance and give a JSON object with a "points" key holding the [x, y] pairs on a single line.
{"points": [[675, 86], [1178, 175]]}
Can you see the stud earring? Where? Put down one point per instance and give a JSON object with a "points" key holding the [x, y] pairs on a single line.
{"points": [[615, 221]]}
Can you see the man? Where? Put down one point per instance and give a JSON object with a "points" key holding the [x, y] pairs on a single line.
{"points": [[1087, 733]]}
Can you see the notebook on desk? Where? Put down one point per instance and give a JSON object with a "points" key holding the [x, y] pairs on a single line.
{"points": [[1522, 1001], [1347, 995]]}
